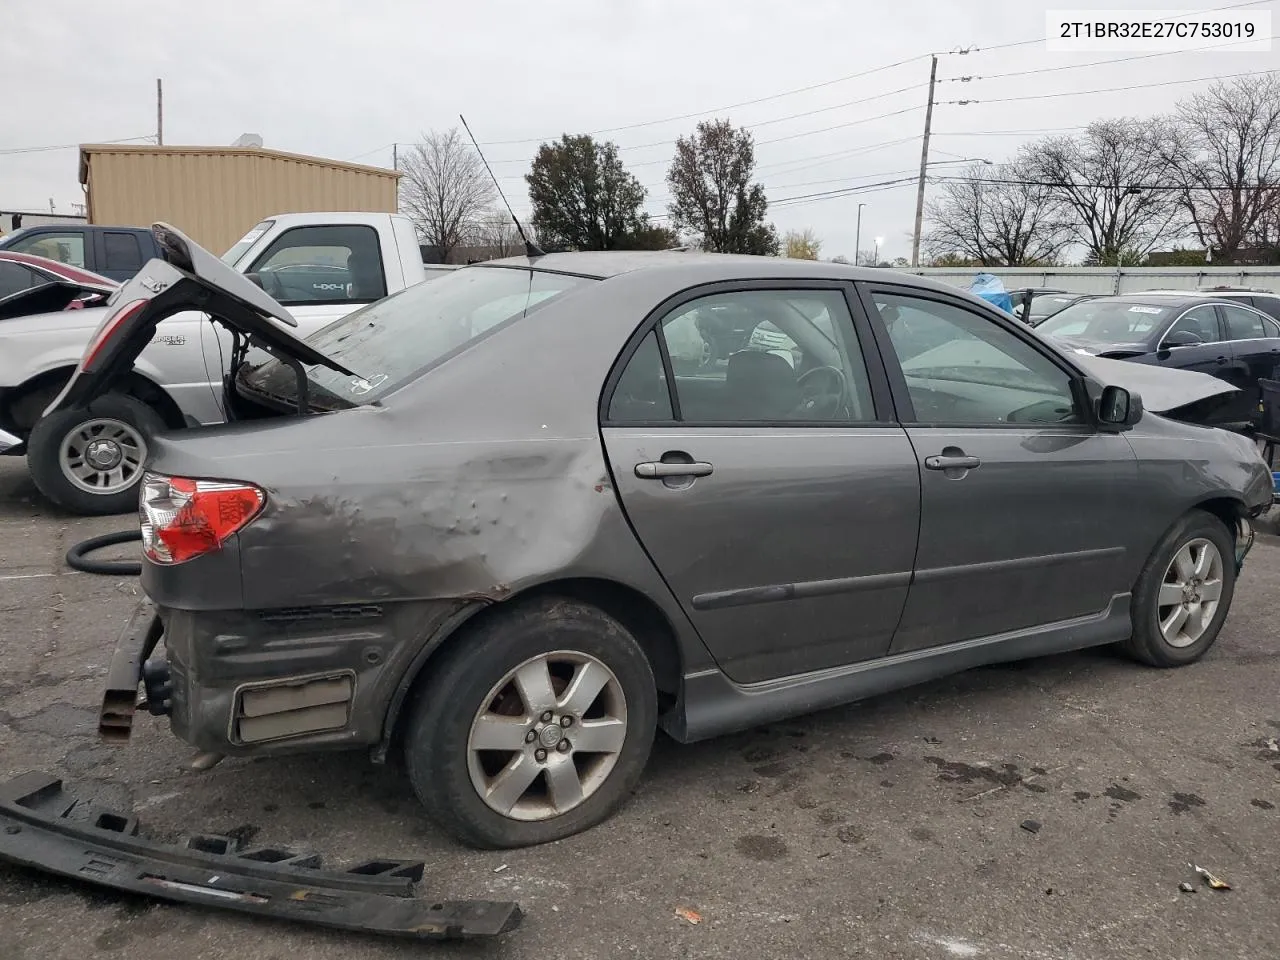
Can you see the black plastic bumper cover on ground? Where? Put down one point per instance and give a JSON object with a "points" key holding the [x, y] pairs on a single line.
{"points": [[45, 827]]}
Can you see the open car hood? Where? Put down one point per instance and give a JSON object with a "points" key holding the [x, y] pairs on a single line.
{"points": [[1163, 390], [186, 277], [51, 297]]}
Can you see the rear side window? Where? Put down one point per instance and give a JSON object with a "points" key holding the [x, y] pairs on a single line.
{"points": [[1243, 324], [121, 251], [1269, 306], [14, 277], [323, 264]]}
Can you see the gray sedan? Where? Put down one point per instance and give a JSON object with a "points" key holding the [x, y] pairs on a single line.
{"points": [[513, 521]]}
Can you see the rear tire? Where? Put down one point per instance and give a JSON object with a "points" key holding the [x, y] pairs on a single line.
{"points": [[1184, 593], [478, 718], [116, 430]]}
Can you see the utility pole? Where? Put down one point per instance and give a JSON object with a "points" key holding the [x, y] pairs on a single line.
{"points": [[924, 162], [159, 113], [395, 156], [857, 235]]}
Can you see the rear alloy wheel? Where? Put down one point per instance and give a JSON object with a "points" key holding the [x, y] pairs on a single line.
{"points": [[1184, 593], [536, 726], [91, 461]]}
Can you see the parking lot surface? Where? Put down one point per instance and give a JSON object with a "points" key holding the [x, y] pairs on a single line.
{"points": [[892, 828]]}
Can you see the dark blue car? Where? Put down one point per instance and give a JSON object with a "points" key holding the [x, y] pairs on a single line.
{"points": [[1227, 339]]}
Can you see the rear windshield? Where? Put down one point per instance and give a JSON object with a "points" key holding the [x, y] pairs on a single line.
{"points": [[232, 256], [1107, 321], [393, 340]]}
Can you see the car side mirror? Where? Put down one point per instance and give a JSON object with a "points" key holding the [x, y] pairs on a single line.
{"points": [[1182, 338], [1118, 409]]}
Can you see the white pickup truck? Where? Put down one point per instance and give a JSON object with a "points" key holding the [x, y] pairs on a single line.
{"points": [[320, 266]]}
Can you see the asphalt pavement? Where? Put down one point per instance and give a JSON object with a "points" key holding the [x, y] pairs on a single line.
{"points": [[893, 828]]}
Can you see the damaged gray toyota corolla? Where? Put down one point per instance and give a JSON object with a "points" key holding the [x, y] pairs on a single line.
{"points": [[514, 520]]}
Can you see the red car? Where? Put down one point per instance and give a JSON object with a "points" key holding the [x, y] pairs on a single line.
{"points": [[24, 271]]}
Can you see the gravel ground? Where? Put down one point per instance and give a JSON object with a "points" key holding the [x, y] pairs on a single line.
{"points": [[891, 828]]}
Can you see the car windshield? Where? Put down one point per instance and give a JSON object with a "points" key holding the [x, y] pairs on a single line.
{"points": [[395, 339], [232, 256], [1107, 321]]}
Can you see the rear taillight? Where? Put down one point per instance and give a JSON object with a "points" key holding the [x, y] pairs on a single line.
{"points": [[108, 329], [182, 518]]}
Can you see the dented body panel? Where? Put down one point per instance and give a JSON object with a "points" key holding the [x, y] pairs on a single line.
{"points": [[388, 526]]}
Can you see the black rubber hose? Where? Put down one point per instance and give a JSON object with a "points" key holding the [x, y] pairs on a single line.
{"points": [[111, 568]]}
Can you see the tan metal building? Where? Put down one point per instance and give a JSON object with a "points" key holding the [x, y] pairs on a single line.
{"points": [[215, 194]]}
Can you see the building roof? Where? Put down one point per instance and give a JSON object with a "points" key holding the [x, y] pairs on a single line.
{"points": [[87, 149]]}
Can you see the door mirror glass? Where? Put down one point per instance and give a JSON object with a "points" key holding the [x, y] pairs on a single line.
{"points": [[1182, 338], [1119, 408]]}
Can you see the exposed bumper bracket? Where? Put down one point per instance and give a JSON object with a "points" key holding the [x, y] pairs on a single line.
{"points": [[44, 827], [120, 697]]}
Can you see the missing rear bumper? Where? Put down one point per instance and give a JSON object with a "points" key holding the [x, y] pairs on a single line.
{"points": [[44, 827]]}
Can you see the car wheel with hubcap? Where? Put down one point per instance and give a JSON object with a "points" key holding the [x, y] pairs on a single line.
{"points": [[1184, 593], [91, 461], [535, 726]]}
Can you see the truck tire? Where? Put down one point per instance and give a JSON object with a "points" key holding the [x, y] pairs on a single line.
{"points": [[90, 462], [535, 726]]}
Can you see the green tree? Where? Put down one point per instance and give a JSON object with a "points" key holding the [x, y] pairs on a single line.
{"points": [[584, 199], [712, 196]]}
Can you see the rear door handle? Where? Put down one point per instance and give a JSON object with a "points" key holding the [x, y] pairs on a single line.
{"points": [[658, 470], [1222, 360], [952, 463]]}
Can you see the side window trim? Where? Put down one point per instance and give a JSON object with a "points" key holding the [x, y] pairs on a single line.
{"points": [[1218, 321], [275, 242], [898, 381], [873, 363]]}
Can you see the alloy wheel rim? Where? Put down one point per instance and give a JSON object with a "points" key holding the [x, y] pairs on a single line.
{"points": [[547, 736], [102, 456], [1190, 593]]}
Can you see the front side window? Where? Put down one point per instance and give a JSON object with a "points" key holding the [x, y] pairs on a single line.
{"points": [[393, 340], [62, 247], [1243, 324], [751, 356], [962, 368], [323, 264], [1199, 322]]}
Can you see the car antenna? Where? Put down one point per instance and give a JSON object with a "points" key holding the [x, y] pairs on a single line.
{"points": [[531, 250]]}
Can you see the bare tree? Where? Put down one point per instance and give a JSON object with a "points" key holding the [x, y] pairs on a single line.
{"points": [[445, 190], [996, 216], [802, 244], [497, 231], [1223, 152], [1102, 184]]}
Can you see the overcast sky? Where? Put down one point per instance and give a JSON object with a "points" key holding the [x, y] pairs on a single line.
{"points": [[346, 78]]}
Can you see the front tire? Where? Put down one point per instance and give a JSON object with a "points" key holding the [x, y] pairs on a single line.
{"points": [[91, 461], [534, 727], [1184, 593]]}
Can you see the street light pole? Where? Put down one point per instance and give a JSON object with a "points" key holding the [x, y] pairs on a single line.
{"points": [[876, 258], [857, 235]]}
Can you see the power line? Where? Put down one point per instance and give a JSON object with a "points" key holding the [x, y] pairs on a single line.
{"points": [[1063, 184], [731, 106], [1004, 133], [1100, 63], [1135, 86], [11, 151]]}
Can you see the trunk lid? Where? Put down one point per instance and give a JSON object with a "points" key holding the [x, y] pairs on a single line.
{"points": [[186, 277]]}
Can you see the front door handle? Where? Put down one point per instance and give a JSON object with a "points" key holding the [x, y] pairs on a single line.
{"points": [[659, 470], [1221, 360], [952, 463]]}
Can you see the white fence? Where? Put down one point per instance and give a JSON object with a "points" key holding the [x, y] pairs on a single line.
{"points": [[1111, 279]]}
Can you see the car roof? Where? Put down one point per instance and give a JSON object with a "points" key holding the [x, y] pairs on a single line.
{"points": [[601, 265]]}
